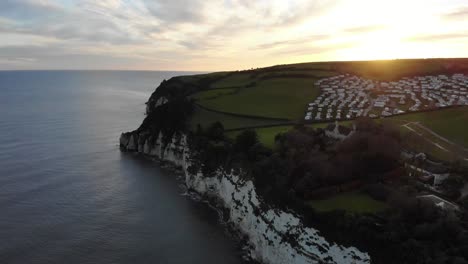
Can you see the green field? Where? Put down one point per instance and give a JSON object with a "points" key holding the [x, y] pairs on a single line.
{"points": [[196, 77], [354, 202], [305, 66], [233, 80], [213, 94], [275, 98], [449, 123], [206, 118], [299, 73], [283, 91], [266, 135], [424, 143]]}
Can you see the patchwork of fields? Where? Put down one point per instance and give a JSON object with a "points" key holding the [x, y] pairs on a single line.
{"points": [[272, 100], [268, 99], [205, 118]]}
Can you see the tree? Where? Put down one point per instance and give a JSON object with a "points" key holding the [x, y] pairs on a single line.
{"points": [[452, 186], [271, 177], [245, 140], [215, 131], [374, 149]]}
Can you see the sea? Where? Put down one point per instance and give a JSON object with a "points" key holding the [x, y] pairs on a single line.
{"points": [[67, 193]]}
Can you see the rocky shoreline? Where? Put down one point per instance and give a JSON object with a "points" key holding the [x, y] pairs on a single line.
{"points": [[272, 235]]}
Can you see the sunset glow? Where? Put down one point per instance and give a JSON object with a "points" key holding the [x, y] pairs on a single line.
{"points": [[225, 35]]}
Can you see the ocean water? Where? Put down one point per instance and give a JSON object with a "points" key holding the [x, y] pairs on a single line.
{"points": [[68, 195]]}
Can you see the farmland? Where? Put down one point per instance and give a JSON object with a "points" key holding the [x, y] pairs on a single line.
{"points": [[205, 118], [449, 123], [234, 80], [358, 183], [213, 94], [278, 95], [354, 202], [273, 98]]}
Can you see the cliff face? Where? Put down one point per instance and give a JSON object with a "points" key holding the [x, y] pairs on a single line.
{"points": [[275, 236]]}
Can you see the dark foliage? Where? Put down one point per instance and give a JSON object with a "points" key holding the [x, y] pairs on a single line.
{"points": [[452, 186], [313, 162], [168, 118], [245, 140]]}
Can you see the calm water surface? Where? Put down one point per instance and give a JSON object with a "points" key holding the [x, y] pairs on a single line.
{"points": [[68, 195]]}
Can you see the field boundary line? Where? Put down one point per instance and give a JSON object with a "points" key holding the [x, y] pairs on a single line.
{"points": [[242, 115]]}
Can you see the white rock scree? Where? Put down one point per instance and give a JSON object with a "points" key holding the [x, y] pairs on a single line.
{"points": [[275, 236]]}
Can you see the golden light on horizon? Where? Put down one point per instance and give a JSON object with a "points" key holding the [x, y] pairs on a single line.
{"points": [[392, 30], [387, 45], [228, 35]]}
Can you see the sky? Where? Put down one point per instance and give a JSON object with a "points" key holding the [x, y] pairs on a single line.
{"points": [[214, 35]]}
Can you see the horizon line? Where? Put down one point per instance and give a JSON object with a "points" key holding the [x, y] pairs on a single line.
{"points": [[210, 71]]}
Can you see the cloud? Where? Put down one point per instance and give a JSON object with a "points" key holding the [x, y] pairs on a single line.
{"points": [[58, 57], [438, 37], [299, 41], [27, 10], [459, 14], [58, 22], [50, 33], [313, 49], [364, 29], [177, 11]]}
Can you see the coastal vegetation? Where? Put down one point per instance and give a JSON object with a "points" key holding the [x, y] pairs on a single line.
{"points": [[205, 118], [266, 135], [347, 179]]}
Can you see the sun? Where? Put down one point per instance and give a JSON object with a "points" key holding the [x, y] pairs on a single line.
{"points": [[392, 31], [381, 45], [388, 44]]}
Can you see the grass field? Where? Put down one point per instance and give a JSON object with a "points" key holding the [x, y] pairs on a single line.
{"points": [[206, 118], [267, 135], [213, 94], [419, 140], [314, 73], [193, 78], [449, 123], [276, 98], [354, 202], [308, 66], [234, 80]]}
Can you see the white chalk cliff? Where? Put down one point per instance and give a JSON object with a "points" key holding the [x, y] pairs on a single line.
{"points": [[275, 236]]}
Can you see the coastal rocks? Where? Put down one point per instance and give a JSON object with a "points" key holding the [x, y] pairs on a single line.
{"points": [[275, 236]]}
